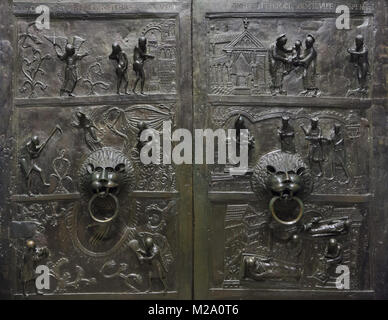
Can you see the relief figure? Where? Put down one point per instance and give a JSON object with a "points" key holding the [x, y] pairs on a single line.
{"points": [[279, 64], [121, 59], [287, 135], [309, 65], [30, 153], [152, 260], [339, 152], [82, 121], [316, 140], [32, 257], [260, 269], [139, 57], [331, 258], [70, 57], [359, 57]]}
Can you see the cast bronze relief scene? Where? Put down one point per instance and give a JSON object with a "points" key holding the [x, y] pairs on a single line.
{"points": [[244, 60], [89, 97], [101, 217], [141, 60]]}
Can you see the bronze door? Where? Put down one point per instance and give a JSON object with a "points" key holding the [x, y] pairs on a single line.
{"points": [[306, 220], [310, 209], [80, 201]]}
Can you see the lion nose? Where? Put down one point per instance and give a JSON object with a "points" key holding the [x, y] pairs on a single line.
{"points": [[111, 184], [103, 182], [104, 176]]}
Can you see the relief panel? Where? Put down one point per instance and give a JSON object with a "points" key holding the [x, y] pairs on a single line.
{"points": [[87, 58], [335, 158], [292, 221], [135, 253], [87, 207], [260, 254], [48, 158], [288, 55]]}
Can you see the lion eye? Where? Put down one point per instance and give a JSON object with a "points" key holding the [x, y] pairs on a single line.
{"points": [[109, 169], [271, 169], [120, 167], [90, 168], [99, 169], [300, 171], [280, 173]]}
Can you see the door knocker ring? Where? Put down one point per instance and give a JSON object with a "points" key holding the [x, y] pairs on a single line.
{"points": [[107, 219], [275, 216]]}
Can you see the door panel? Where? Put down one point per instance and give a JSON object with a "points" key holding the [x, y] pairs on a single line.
{"points": [[78, 200], [274, 232], [105, 224]]}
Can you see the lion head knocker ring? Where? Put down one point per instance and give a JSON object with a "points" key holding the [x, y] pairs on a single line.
{"points": [[106, 177], [282, 180]]}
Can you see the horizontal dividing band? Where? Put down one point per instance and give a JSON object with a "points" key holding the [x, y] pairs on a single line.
{"points": [[232, 196], [308, 102], [155, 194], [77, 196], [103, 9], [279, 14], [95, 100], [45, 197]]}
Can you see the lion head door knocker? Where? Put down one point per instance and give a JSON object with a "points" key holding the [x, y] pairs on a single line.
{"points": [[283, 181], [106, 179]]}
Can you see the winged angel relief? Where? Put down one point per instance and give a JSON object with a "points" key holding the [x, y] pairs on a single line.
{"points": [[69, 53]]}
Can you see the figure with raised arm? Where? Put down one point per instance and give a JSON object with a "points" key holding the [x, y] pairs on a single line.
{"points": [[30, 153], [70, 57]]}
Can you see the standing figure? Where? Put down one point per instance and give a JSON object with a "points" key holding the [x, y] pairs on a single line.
{"points": [[121, 59], [153, 260], [314, 136], [139, 57], [279, 64], [287, 135], [89, 130], [240, 125], [309, 64], [30, 152], [71, 58], [30, 261], [339, 153], [359, 57]]}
